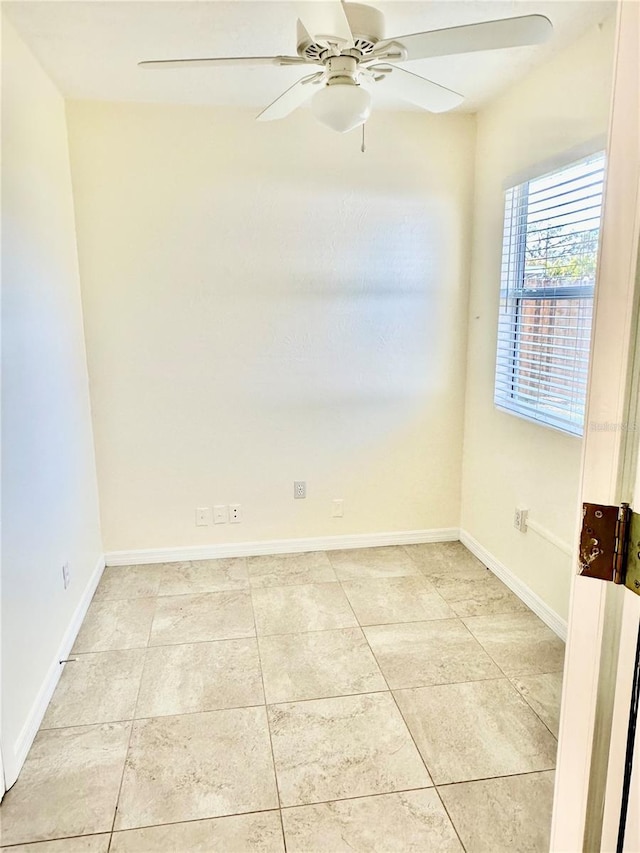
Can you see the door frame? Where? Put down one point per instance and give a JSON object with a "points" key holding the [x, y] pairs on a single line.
{"points": [[595, 611]]}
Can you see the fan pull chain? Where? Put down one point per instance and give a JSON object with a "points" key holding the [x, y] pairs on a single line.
{"points": [[363, 147]]}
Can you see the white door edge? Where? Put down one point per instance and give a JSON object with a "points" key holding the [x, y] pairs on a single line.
{"points": [[579, 762]]}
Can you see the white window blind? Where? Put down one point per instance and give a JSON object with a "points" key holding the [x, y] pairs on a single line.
{"points": [[550, 249]]}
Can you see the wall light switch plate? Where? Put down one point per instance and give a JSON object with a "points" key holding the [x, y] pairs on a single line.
{"points": [[220, 514], [203, 516], [337, 508]]}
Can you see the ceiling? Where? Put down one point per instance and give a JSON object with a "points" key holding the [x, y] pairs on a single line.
{"points": [[90, 49]]}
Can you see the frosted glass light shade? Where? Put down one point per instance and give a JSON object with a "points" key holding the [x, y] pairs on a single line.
{"points": [[342, 106]]}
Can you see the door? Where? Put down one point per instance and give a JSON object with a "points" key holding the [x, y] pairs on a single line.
{"points": [[598, 669]]}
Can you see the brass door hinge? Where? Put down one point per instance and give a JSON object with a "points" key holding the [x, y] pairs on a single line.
{"points": [[610, 544]]}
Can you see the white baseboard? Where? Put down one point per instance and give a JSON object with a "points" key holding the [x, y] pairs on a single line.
{"points": [[524, 593], [280, 546], [28, 732]]}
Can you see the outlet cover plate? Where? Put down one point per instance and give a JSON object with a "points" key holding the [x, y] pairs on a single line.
{"points": [[299, 489]]}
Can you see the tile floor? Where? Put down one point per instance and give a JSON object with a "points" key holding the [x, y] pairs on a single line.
{"points": [[384, 699]]}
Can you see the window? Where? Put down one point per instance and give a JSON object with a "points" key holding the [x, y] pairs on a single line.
{"points": [[550, 248]]}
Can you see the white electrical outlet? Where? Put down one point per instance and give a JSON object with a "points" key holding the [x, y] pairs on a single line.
{"points": [[337, 508], [235, 513], [66, 575], [520, 519], [203, 516], [299, 489], [220, 514]]}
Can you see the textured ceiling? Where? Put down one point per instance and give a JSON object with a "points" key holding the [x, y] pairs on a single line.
{"points": [[90, 49]]}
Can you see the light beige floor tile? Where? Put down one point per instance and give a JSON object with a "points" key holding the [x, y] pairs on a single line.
{"points": [[329, 749], [294, 609], [357, 563], [543, 693], [203, 617], [285, 569], [200, 677], [503, 815], [67, 786], [416, 654], [387, 600], [79, 844], [197, 766], [445, 559], [520, 643], [204, 576], [111, 625], [318, 664], [478, 596], [411, 822], [119, 582], [96, 688], [476, 730], [251, 833]]}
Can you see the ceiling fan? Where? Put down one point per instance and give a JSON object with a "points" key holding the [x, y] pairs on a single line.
{"points": [[346, 43]]}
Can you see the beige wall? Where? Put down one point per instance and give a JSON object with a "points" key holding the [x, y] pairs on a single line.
{"points": [[264, 303], [49, 496], [508, 461]]}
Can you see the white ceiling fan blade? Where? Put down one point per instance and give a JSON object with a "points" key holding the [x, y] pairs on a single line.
{"points": [[210, 62], [325, 21], [293, 98], [303, 34], [415, 89], [489, 35]]}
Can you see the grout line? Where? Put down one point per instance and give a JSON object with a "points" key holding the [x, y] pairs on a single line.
{"points": [[266, 713], [522, 696], [195, 819], [57, 838], [492, 778], [156, 717], [446, 810], [126, 755], [192, 593], [361, 797], [170, 645]]}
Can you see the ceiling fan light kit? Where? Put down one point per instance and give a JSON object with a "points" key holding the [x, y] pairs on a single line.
{"points": [[346, 44], [342, 106]]}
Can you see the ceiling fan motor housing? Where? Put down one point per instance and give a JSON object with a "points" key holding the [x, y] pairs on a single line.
{"points": [[367, 26], [342, 69]]}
